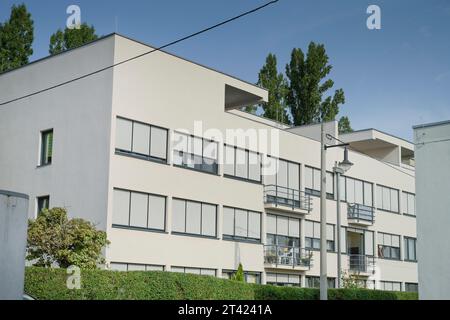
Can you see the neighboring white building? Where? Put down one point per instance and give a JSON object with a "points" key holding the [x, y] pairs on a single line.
{"points": [[110, 148], [432, 142]]}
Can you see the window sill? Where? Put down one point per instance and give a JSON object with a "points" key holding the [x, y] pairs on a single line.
{"points": [[196, 170], [390, 259], [43, 166], [388, 211], [413, 261], [140, 157], [409, 215], [175, 233], [117, 226], [242, 179]]}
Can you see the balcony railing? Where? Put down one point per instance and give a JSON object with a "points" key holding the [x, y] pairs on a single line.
{"points": [[287, 197], [288, 256], [361, 212], [361, 263]]}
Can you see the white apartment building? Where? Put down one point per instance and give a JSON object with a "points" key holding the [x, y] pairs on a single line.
{"points": [[432, 142], [122, 149]]}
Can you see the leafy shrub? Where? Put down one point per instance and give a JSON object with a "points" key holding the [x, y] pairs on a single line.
{"points": [[50, 284]]}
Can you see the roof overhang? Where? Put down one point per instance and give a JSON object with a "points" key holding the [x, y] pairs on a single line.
{"points": [[240, 97]]}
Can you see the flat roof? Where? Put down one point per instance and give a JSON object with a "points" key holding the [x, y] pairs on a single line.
{"points": [[137, 41], [431, 124]]}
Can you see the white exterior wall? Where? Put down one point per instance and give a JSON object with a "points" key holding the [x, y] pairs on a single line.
{"points": [[79, 114], [166, 91], [433, 213]]}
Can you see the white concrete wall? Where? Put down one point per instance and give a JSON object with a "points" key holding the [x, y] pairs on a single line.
{"points": [[79, 113], [433, 209], [13, 240]]}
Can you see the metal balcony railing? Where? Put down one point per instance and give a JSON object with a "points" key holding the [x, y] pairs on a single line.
{"points": [[287, 197], [361, 263], [288, 256], [361, 212]]}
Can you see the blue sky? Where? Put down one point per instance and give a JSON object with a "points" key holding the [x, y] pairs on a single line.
{"points": [[393, 78]]}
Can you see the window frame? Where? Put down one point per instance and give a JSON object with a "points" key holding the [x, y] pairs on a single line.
{"points": [[314, 192], [127, 264], [234, 237], [131, 153], [130, 227], [197, 268], [43, 153], [182, 153], [200, 235], [314, 238], [378, 200], [406, 212], [39, 208], [344, 192], [406, 249], [247, 153], [389, 246]]}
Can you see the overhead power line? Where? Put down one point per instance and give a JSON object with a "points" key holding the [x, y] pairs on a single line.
{"points": [[141, 55]]}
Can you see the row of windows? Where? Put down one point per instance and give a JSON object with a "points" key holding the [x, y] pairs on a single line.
{"points": [[198, 271], [148, 141], [118, 266]]}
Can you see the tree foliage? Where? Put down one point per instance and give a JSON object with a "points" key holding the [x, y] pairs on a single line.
{"points": [[71, 38], [308, 84], [53, 238], [276, 84], [344, 125], [16, 39], [239, 275]]}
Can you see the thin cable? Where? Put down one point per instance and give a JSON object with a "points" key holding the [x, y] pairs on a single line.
{"points": [[428, 142], [141, 55]]}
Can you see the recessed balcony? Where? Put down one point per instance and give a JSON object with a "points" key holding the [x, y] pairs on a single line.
{"points": [[287, 257], [360, 214], [361, 265], [286, 200]]}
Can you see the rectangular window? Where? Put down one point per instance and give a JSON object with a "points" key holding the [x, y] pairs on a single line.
{"points": [[42, 203], [283, 279], [356, 191], [312, 182], [249, 276], [195, 218], [198, 271], [119, 266], [46, 147], [138, 210], [390, 286], [141, 140], [314, 282], [410, 249], [387, 199], [388, 246], [283, 231], [195, 153], [241, 224], [408, 203], [411, 287], [312, 236], [243, 164]]}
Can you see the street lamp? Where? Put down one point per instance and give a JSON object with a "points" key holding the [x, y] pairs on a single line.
{"points": [[323, 213], [339, 169]]}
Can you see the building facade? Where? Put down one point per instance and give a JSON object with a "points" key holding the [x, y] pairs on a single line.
{"points": [[156, 152], [432, 143]]}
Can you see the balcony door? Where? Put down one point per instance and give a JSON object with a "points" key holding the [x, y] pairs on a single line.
{"points": [[355, 243]]}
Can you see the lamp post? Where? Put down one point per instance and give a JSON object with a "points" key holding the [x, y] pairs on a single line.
{"points": [[339, 169], [323, 212]]}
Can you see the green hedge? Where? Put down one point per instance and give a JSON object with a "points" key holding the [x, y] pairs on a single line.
{"points": [[50, 284]]}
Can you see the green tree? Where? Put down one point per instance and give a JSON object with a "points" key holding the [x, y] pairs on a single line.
{"points": [[16, 39], [71, 38], [276, 84], [53, 238], [239, 275], [344, 125], [307, 85]]}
